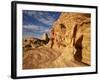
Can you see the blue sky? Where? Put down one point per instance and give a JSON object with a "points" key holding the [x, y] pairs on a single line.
{"points": [[35, 23]]}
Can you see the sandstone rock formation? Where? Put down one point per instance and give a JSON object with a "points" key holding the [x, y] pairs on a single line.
{"points": [[45, 37], [30, 42], [71, 35], [68, 45]]}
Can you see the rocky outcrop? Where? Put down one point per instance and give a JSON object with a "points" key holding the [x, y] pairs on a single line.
{"points": [[45, 37], [30, 42], [39, 58], [70, 35]]}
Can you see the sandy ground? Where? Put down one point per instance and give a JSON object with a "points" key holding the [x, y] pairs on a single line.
{"points": [[48, 58]]}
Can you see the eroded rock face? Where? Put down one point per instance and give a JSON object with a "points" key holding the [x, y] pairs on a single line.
{"points": [[71, 35], [39, 58]]}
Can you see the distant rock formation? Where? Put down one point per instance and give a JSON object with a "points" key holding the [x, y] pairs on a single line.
{"points": [[30, 43], [71, 35], [45, 38]]}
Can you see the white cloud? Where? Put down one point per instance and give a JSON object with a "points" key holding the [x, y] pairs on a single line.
{"points": [[48, 22], [36, 28], [42, 17]]}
